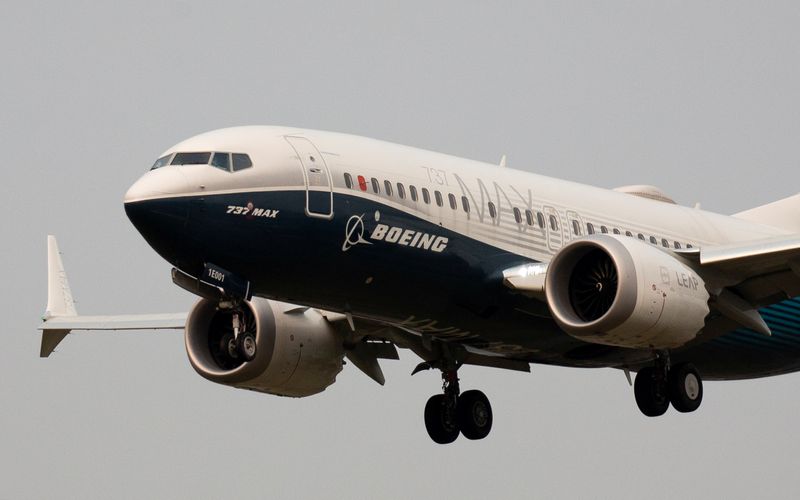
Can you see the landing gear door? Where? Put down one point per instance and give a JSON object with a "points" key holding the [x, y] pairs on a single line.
{"points": [[319, 185]]}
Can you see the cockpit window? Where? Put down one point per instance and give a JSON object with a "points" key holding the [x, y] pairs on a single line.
{"points": [[229, 162], [221, 161], [191, 159], [241, 161], [164, 160]]}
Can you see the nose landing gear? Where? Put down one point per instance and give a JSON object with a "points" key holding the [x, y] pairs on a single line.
{"points": [[451, 413]]}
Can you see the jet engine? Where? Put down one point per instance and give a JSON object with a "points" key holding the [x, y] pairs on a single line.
{"points": [[297, 352], [620, 291]]}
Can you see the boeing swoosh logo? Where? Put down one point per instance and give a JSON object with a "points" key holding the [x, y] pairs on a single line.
{"points": [[354, 232]]}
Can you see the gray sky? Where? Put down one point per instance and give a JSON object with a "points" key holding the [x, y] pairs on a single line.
{"points": [[699, 98]]}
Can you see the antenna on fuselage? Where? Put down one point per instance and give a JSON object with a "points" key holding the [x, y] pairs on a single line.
{"points": [[503, 161]]}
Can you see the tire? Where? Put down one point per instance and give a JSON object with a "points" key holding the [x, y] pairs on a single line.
{"points": [[474, 415], [440, 420], [651, 393], [246, 346], [685, 388], [228, 346]]}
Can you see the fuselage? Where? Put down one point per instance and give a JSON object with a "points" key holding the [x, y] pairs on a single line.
{"points": [[419, 240]]}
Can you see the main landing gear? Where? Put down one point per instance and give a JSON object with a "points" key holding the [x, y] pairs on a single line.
{"points": [[468, 413], [241, 344], [658, 386]]}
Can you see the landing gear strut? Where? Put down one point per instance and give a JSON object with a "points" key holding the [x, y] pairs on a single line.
{"points": [[658, 386], [451, 413]]}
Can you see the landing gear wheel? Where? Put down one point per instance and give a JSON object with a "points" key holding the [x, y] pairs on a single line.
{"points": [[228, 346], [685, 388], [440, 420], [474, 414], [651, 392], [246, 346]]}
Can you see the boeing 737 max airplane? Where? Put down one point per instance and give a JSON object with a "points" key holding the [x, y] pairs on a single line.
{"points": [[306, 247]]}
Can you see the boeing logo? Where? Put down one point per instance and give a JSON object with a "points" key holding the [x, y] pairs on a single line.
{"points": [[354, 234]]}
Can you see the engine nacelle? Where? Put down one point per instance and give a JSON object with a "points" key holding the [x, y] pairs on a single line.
{"points": [[620, 291], [298, 352]]}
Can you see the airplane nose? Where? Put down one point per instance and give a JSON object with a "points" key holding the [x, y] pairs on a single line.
{"points": [[155, 207], [158, 183]]}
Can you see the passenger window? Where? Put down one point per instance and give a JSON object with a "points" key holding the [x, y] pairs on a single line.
{"points": [[529, 217], [576, 228], [641, 236], [190, 159], [653, 240], [241, 161], [540, 219], [492, 210], [376, 188], [589, 228], [664, 243], [689, 245], [438, 196], [604, 229], [388, 187], [362, 183], [553, 223], [426, 196], [465, 204], [616, 231], [452, 198], [677, 245], [413, 191], [164, 160], [517, 215], [628, 233], [348, 181], [401, 191]]}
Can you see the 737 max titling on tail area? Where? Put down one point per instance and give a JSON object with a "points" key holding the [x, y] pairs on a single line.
{"points": [[306, 247]]}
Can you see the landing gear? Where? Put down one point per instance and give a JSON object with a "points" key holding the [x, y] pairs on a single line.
{"points": [[685, 388], [246, 346], [228, 345], [240, 344], [658, 386], [440, 420], [650, 389], [474, 415], [451, 413]]}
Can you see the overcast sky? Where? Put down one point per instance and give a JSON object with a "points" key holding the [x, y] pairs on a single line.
{"points": [[699, 98]]}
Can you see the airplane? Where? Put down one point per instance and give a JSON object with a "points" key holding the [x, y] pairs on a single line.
{"points": [[307, 247]]}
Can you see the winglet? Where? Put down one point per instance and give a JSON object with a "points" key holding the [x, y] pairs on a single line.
{"points": [[59, 297]]}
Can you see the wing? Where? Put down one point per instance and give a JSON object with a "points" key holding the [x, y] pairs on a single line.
{"points": [[61, 316], [762, 272]]}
